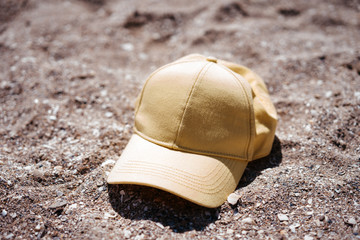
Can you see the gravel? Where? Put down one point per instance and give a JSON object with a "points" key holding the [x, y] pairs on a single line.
{"points": [[283, 217], [69, 81]]}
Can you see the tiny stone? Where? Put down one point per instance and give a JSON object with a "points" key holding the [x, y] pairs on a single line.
{"points": [[159, 225], [248, 220], [91, 73], [4, 213], [309, 213], [127, 233], [127, 47], [321, 217], [57, 204], [58, 168], [38, 174], [59, 193], [294, 226], [109, 114], [356, 230], [38, 227], [233, 198], [229, 231], [351, 221], [13, 215], [328, 94], [109, 161], [282, 217], [109, 215], [99, 183], [71, 208], [103, 93], [308, 237], [9, 236], [212, 226]]}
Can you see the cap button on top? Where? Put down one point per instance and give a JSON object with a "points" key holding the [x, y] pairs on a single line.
{"points": [[211, 59]]}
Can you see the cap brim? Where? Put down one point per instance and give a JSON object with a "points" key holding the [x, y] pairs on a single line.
{"points": [[204, 180]]}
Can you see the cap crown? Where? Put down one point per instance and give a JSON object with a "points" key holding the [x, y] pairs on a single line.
{"points": [[198, 106]]}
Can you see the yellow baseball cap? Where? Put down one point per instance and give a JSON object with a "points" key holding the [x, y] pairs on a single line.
{"points": [[198, 122]]}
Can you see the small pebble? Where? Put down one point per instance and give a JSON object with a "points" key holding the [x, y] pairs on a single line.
{"points": [[71, 208], [38, 174], [58, 168], [57, 204], [248, 220], [127, 47], [38, 227], [283, 217], [233, 198], [293, 227], [229, 231], [351, 221], [9, 236], [13, 215], [109, 161], [159, 225], [356, 230], [321, 217], [309, 213], [109, 114], [59, 193], [127, 233], [122, 194], [109, 215], [3, 213], [308, 237], [328, 94]]}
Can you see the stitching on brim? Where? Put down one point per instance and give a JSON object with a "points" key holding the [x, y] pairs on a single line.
{"points": [[182, 181], [188, 178]]}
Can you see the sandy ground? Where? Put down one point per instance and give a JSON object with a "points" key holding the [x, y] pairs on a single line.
{"points": [[69, 75]]}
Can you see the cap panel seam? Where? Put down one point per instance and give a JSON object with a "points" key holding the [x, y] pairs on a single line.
{"points": [[250, 105], [201, 73], [152, 75]]}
